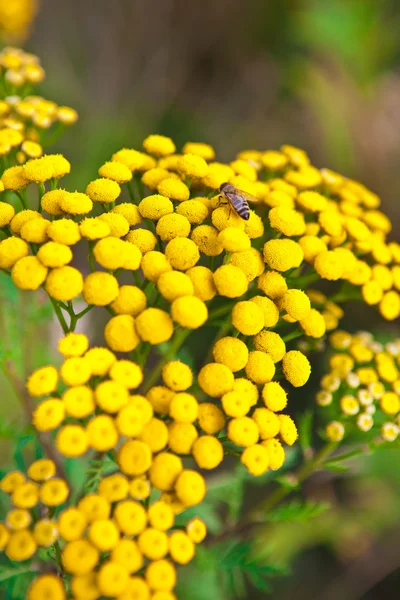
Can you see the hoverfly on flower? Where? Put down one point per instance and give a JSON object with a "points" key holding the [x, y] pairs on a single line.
{"points": [[238, 199]]}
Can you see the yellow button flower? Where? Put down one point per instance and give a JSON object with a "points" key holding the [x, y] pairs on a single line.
{"points": [[269, 310], [172, 226], [234, 239], [206, 238], [174, 284], [165, 470], [190, 487], [243, 431], [255, 459], [247, 317], [72, 441], [211, 418], [53, 254], [48, 415], [49, 586], [189, 311], [154, 325], [230, 281], [159, 145], [182, 253], [215, 379], [116, 171], [134, 160], [231, 352], [22, 217], [156, 206], [64, 231], [287, 221], [173, 188], [103, 190], [120, 333], [250, 262], [7, 212], [111, 252], [203, 282], [129, 211], [80, 557], [181, 437], [281, 255], [100, 360], [260, 367], [64, 283], [199, 149], [271, 343], [11, 250], [192, 165], [194, 211], [296, 303], [131, 300], [75, 203], [118, 225], [225, 216], [296, 368], [100, 288], [329, 265], [161, 575], [94, 228], [154, 264], [313, 324], [35, 231], [28, 273], [42, 381], [144, 239], [102, 433]]}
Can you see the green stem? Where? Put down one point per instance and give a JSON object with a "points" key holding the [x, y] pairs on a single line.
{"points": [[59, 315], [179, 338], [218, 312], [292, 335], [84, 311], [91, 256], [131, 191], [302, 474], [41, 191], [136, 278]]}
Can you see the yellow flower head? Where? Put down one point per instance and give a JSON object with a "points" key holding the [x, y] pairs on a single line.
{"points": [[230, 281], [116, 171], [192, 165], [283, 254], [75, 203], [296, 368], [174, 189], [172, 226], [159, 145], [199, 149], [103, 190]]}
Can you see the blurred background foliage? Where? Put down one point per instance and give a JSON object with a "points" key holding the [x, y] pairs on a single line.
{"points": [[323, 75]]}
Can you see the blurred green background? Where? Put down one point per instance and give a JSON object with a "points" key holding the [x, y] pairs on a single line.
{"points": [[323, 75]]}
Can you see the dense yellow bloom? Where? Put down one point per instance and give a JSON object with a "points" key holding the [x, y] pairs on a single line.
{"points": [[103, 190], [64, 283], [159, 145], [154, 325], [12, 249], [230, 281], [100, 288], [284, 254]]}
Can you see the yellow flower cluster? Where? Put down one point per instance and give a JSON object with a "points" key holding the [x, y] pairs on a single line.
{"points": [[167, 256], [362, 387], [111, 543], [25, 117]]}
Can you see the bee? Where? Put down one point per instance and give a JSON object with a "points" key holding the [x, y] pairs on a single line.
{"points": [[238, 199]]}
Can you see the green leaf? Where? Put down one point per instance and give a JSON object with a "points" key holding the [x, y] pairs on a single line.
{"points": [[297, 510], [9, 572], [305, 431]]}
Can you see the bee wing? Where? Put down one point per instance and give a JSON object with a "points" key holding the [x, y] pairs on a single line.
{"points": [[248, 197]]}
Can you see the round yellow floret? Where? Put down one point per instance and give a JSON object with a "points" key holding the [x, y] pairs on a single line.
{"points": [[249, 261], [131, 300], [129, 211], [192, 165], [174, 284], [116, 171], [11, 250], [247, 317], [296, 303], [144, 239], [120, 333], [100, 288], [14, 178], [64, 231], [7, 211], [281, 255], [296, 368], [269, 310], [255, 459], [230, 281], [313, 324], [28, 273], [231, 352], [154, 264], [111, 252], [203, 282], [103, 190], [208, 452], [118, 225], [38, 170], [35, 231], [287, 221], [156, 206], [271, 343], [274, 396], [23, 217], [243, 431], [154, 325], [177, 376], [260, 367], [224, 216], [172, 226], [215, 379], [159, 145], [190, 487], [182, 253], [194, 210], [199, 149], [53, 254], [206, 238], [94, 229], [42, 381], [75, 203], [288, 431], [189, 312], [329, 265], [134, 160], [312, 246], [211, 419], [174, 188], [389, 306], [64, 283]]}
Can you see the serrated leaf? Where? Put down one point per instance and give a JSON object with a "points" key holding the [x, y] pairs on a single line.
{"points": [[297, 510]]}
